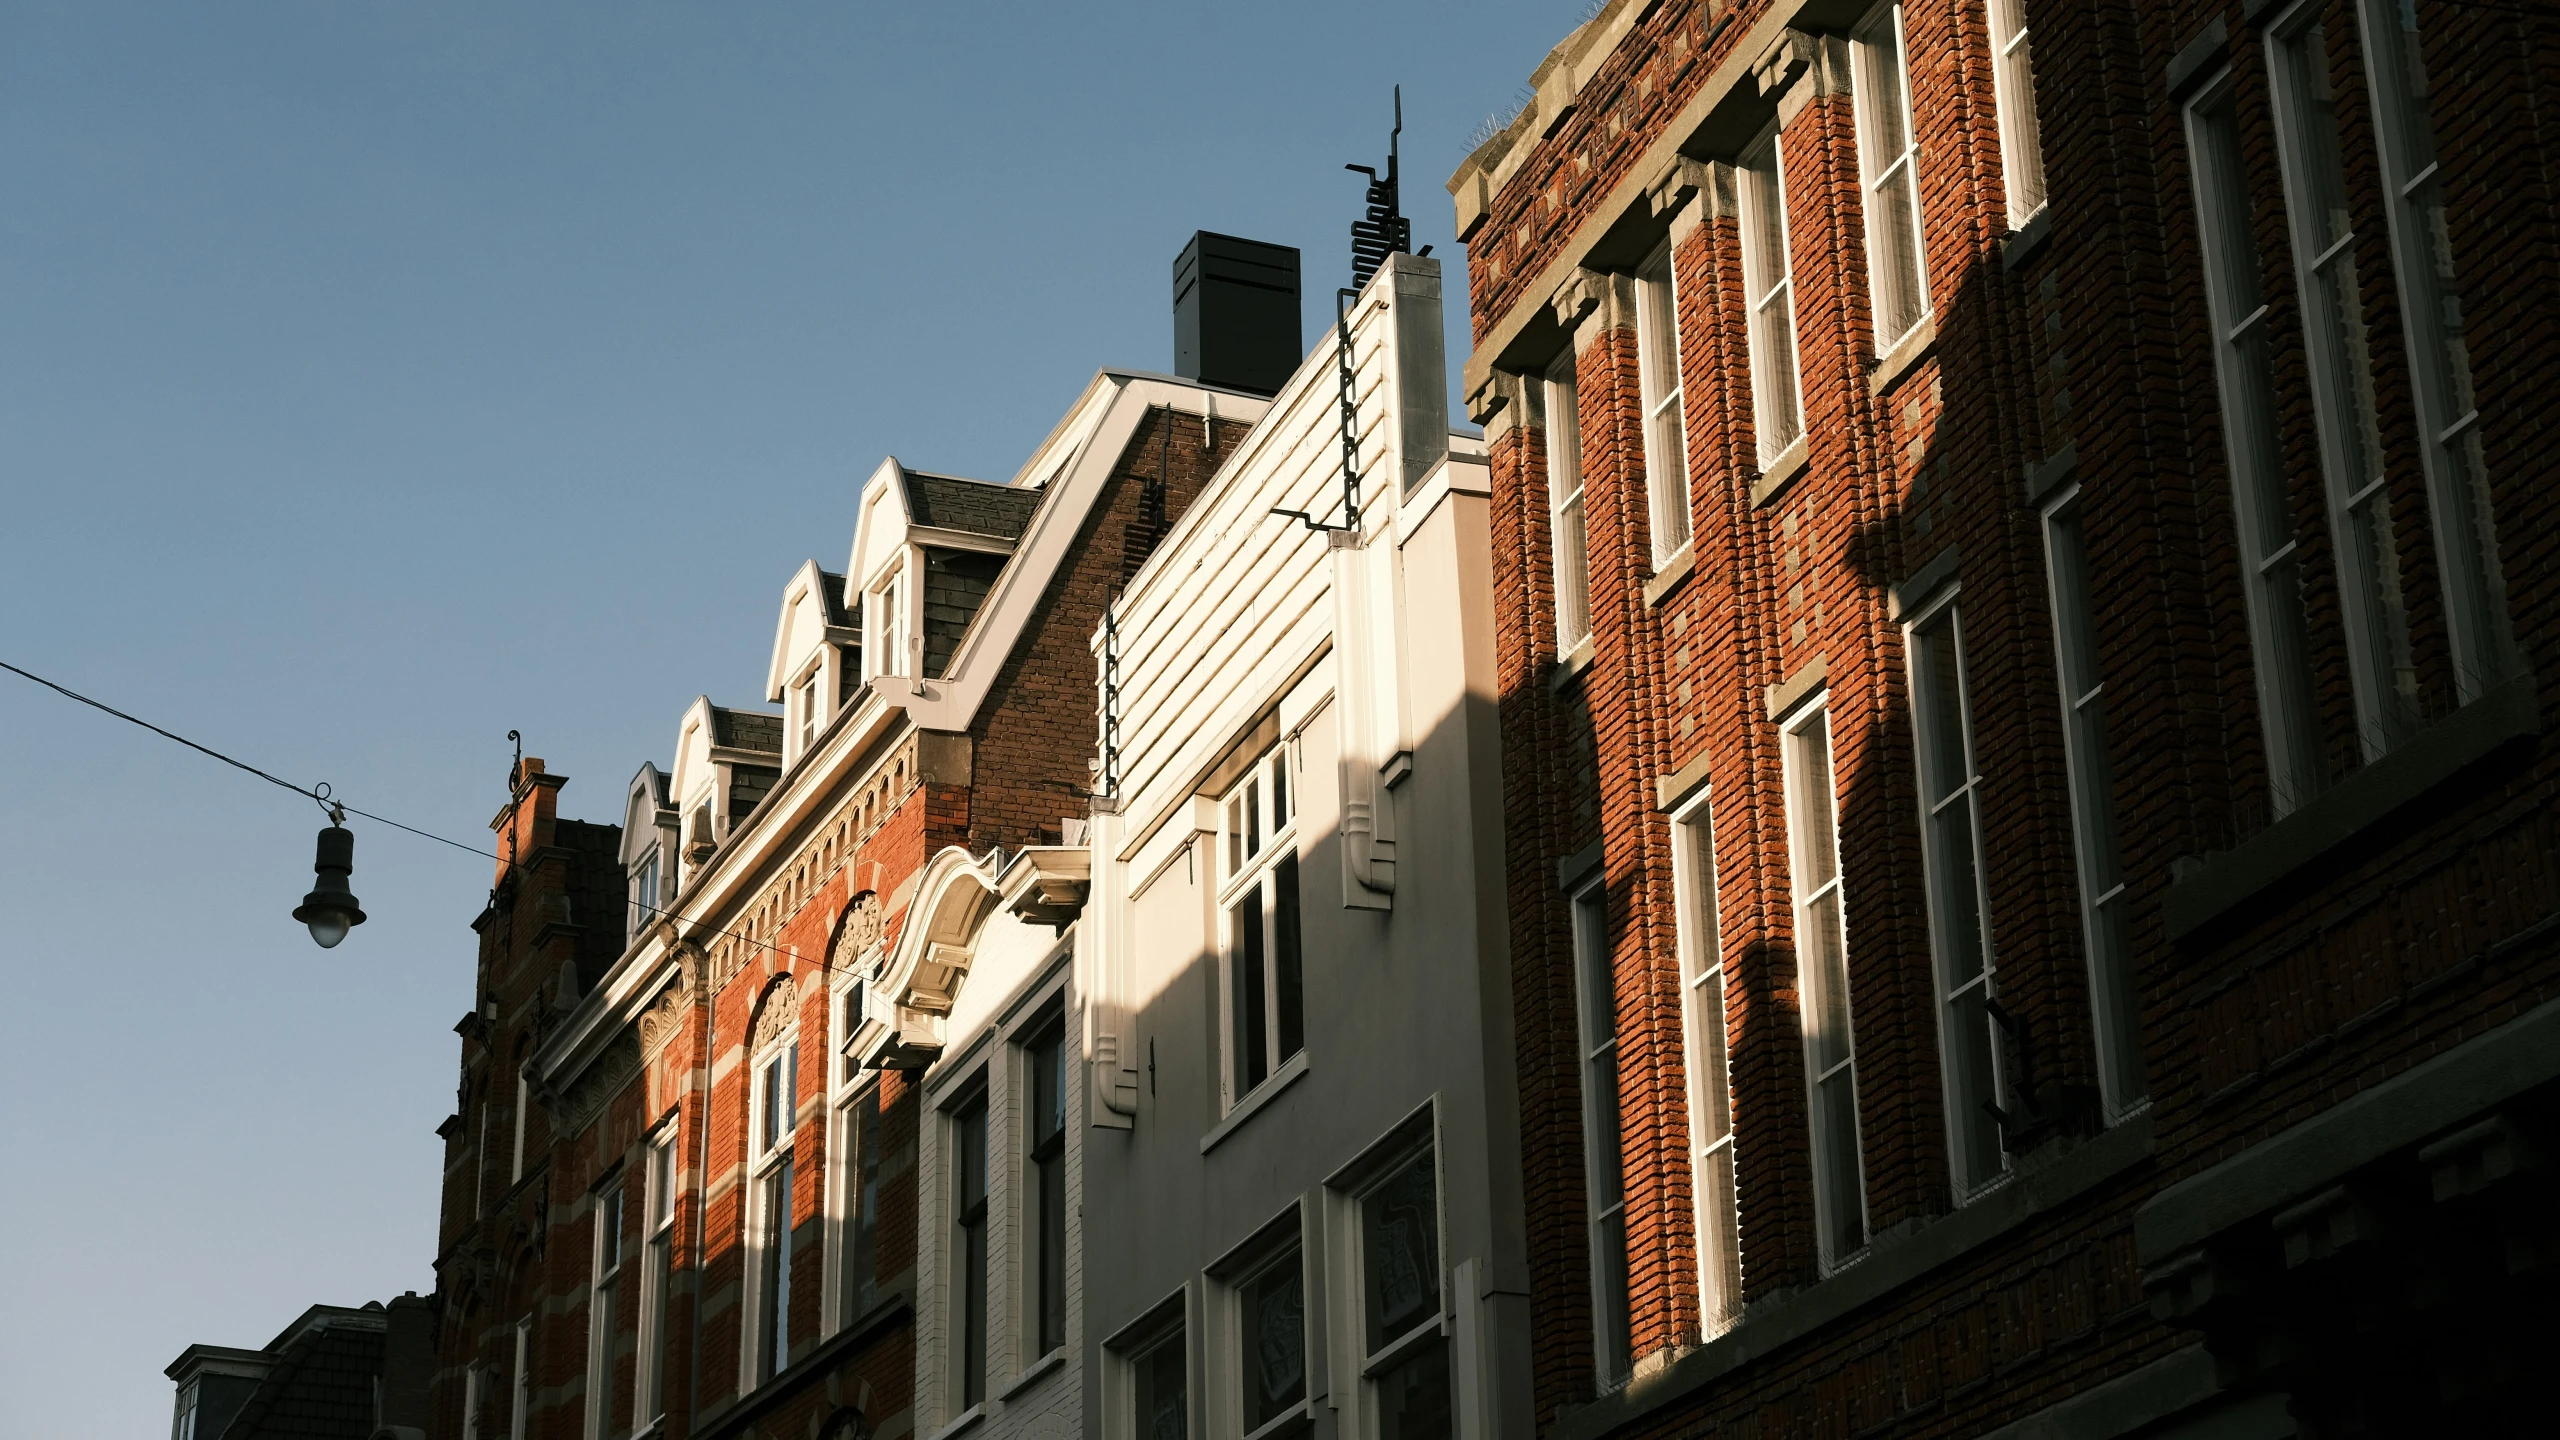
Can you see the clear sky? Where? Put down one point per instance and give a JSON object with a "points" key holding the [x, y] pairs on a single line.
{"points": [[378, 376]]}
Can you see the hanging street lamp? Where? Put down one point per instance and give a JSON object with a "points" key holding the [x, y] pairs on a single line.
{"points": [[330, 909]]}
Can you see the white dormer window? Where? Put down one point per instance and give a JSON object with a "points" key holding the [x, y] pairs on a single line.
{"points": [[807, 708], [886, 627], [645, 894]]}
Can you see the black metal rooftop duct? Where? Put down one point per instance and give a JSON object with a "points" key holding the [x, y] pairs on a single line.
{"points": [[1235, 313]]}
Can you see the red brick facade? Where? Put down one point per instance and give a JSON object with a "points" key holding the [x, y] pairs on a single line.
{"points": [[512, 1247], [2406, 911]]}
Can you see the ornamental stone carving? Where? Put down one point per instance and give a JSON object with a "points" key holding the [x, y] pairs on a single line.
{"points": [[857, 932], [775, 1013], [665, 1016]]}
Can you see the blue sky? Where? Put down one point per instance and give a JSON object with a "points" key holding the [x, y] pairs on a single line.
{"points": [[378, 376]]}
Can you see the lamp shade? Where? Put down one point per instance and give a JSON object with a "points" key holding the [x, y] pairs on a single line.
{"points": [[330, 910]]}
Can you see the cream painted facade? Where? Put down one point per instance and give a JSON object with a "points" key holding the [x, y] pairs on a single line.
{"points": [[1302, 1171]]}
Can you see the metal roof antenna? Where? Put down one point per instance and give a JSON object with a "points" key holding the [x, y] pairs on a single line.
{"points": [[1384, 230]]}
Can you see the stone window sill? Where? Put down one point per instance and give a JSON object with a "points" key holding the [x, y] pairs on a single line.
{"points": [[2023, 243], [2044, 1180], [1913, 348], [1666, 579], [963, 1423], [1782, 472], [1033, 1374], [1253, 1104], [1561, 673], [2209, 889]]}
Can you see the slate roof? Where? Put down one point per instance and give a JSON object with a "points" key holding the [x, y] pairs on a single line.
{"points": [[746, 730], [832, 588], [322, 1385], [947, 502]]}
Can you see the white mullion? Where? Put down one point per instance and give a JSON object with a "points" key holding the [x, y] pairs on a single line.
{"points": [[2277, 622], [2457, 479], [2349, 428]]}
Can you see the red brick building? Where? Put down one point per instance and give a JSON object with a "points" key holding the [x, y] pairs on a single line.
{"points": [[2023, 541], [680, 1200]]}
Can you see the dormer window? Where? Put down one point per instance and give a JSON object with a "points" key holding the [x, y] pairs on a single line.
{"points": [[804, 704], [645, 893], [886, 629]]}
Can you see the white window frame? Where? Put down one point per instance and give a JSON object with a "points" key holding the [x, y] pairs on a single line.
{"points": [[888, 619], [520, 1406], [648, 887], [1896, 255], [1568, 532], [2013, 90], [1414, 1145], [2439, 359], [475, 1380], [1603, 1136], [807, 706], [605, 1287], [1666, 430], [1277, 1248], [2115, 1005], [1713, 1175], [2269, 550], [657, 1274], [1126, 1357], [1048, 1021], [962, 1395], [1777, 381], [1840, 1201], [771, 1147], [1258, 817], [524, 1112], [2312, 165], [1955, 862]]}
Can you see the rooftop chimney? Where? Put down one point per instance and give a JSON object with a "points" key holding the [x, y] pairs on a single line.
{"points": [[1235, 313]]}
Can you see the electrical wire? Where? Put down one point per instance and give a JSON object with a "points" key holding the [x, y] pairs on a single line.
{"points": [[329, 801]]}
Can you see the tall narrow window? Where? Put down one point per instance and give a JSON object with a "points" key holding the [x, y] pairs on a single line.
{"points": [[475, 1396], [524, 1113], [2118, 1010], [658, 1270], [969, 1246], [1604, 1158], [1711, 1176], [886, 628], [601, 1309], [644, 891], [1768, 280], [1564, 495], [1959, 912], [2431, 314], [1888, 158], [1160, 1388], [1273, 1353], [1822, 985], [520, 1410], [1666, 444], [2269, 565], [778, 1080], [859, 1280], [2013, 84], [2386, 681], [1406, 1358], [1047, 1143], [1266, 990]]}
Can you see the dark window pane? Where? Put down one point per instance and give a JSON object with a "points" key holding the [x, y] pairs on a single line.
{"points": [[1163, 1392], [1288, 966], [1400, 1231], [1275, 1341], [1252, 1045], [1413, 1398]]}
